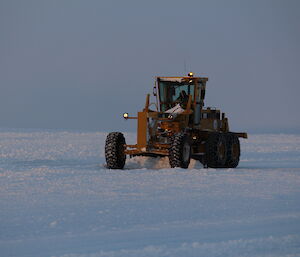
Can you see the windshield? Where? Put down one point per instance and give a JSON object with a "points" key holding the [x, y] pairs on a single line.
{"points": [[172, 93]]}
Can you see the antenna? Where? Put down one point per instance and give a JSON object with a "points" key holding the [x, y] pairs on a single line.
{"points": [[185, 71]]}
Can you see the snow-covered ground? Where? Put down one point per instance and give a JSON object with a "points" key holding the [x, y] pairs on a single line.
{"points": [[58, 199]]}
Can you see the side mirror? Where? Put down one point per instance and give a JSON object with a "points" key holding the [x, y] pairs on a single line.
{"points": [[154, 91]]}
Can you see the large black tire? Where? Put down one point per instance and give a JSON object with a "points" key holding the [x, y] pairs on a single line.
{"points": [[180, 151], [233, 151], [114, 150], [215, 151]]}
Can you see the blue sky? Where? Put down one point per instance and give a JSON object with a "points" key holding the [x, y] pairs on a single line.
{"points": [[80, 64]]}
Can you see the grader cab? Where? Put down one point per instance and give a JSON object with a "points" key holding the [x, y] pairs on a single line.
{"points": [[178, 126]]}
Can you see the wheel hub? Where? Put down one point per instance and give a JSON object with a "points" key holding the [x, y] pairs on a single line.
{"points": [[186, 152], [221, 151]]}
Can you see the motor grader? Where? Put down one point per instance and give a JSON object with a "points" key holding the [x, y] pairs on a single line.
{"points": [[178, 126]]}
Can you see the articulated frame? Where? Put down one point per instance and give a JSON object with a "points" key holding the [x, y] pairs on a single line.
{"points": [[147, 147]]}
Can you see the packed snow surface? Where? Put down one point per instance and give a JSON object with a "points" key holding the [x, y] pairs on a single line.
{"points": [[58, 199]]}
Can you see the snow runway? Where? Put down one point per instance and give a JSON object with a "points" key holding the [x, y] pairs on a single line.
{"points": [[57, 199]]}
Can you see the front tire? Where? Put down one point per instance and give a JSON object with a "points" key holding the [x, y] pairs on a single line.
{"points": [[114, 150], [180, 151]]}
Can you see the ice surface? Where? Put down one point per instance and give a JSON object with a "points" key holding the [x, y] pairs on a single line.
{"points": [[58, 199]]}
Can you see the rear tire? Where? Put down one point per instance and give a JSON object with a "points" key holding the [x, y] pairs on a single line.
{"points": [[180, 151], [233, 151], [215, 151], [114, 150]]}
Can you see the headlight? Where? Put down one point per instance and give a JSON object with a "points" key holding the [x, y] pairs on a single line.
{"points": [[170, 117], [125, 115]]}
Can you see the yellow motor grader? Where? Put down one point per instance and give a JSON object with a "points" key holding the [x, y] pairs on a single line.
{"points": [[179, 127]]}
